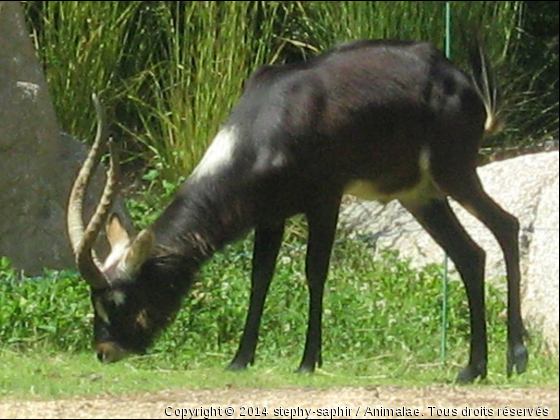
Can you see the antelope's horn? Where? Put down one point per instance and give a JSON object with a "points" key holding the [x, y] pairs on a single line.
{"points": [[82, 240]]}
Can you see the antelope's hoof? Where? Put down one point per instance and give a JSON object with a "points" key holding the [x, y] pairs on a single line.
{"points": [[517, 356], [471, 372]]}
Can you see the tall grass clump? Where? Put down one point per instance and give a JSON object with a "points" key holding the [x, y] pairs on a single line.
{"points": [[208, 49], [326, 23], [532, 93], [170, 72], [82, 47]]}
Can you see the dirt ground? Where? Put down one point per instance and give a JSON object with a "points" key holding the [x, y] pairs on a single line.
{"points": [[350, 402]]}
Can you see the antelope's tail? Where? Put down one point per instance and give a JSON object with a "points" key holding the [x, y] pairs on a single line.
{"points": [[486, 84]]}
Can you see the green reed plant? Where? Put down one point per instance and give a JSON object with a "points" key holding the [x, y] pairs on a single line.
{"points": [[82, 47], [327, 23], [171, 71], [208, 51]]}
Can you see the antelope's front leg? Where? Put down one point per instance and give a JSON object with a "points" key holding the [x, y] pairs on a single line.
{"points": [[322, 226], [265, 253]]}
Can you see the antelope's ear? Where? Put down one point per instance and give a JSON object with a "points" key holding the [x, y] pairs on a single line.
{"points": [[139, 250], [116, 233]]}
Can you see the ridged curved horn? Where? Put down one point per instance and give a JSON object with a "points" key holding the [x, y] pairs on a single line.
{"points": [[81, 239]]}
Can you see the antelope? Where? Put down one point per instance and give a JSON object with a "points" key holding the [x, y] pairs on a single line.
{"points": [[378, 119]]}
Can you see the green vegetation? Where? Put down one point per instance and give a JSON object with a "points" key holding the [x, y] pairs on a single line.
{"points": [[171, 71], [46, 374], [532, 94], [381, 324]]}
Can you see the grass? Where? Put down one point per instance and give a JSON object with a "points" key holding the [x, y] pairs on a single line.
{"points": [[327, 23], [81, 48], [44, 374], [169, 74], [381, 326], [188, 92]]}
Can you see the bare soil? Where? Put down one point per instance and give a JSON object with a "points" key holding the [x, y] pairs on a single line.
{"points": [[319, 402]]}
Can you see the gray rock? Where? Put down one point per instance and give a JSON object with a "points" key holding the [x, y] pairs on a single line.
{"points": [[540, 290], [37, 164]]}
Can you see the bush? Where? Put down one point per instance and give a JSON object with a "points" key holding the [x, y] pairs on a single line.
{"points": [[369, 309]]}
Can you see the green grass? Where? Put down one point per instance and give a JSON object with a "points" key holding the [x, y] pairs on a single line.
{"points": [[381, 326], [189, 90], [327, 23], [44, 374], [170, 72]]}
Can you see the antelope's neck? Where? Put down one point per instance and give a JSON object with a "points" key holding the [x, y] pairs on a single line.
{"points": [[205, 215]]}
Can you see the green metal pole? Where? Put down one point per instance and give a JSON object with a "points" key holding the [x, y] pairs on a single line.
{"points": [[445, 265], [448, 29]]}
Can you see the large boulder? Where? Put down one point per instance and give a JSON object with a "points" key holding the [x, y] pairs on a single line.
{"points": [[527, 187], [37, 164], [540, 290]]}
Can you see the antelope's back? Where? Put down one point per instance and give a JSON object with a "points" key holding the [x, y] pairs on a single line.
{"points": [[364, 109]]}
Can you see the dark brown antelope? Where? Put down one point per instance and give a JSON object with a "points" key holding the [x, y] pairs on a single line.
{"points": [[380, 120]]}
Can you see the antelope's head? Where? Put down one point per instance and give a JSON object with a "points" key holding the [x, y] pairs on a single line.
{"points": [[132, 299]]}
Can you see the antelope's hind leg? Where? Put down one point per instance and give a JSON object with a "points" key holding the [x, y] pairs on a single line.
{"points": [[437, 217], [505, 227]]}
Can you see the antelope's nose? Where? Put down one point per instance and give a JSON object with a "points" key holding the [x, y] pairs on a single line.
{"points": [[110, 352], [101, 356]]}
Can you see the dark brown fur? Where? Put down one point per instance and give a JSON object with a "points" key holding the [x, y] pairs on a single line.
{"points": [[374, 111]]}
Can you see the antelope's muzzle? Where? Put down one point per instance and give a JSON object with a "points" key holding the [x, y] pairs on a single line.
{"points": [[109, 352]]}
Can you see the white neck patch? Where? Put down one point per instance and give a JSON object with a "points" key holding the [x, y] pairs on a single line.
{"points": [[115, 260], [218, 155]]}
